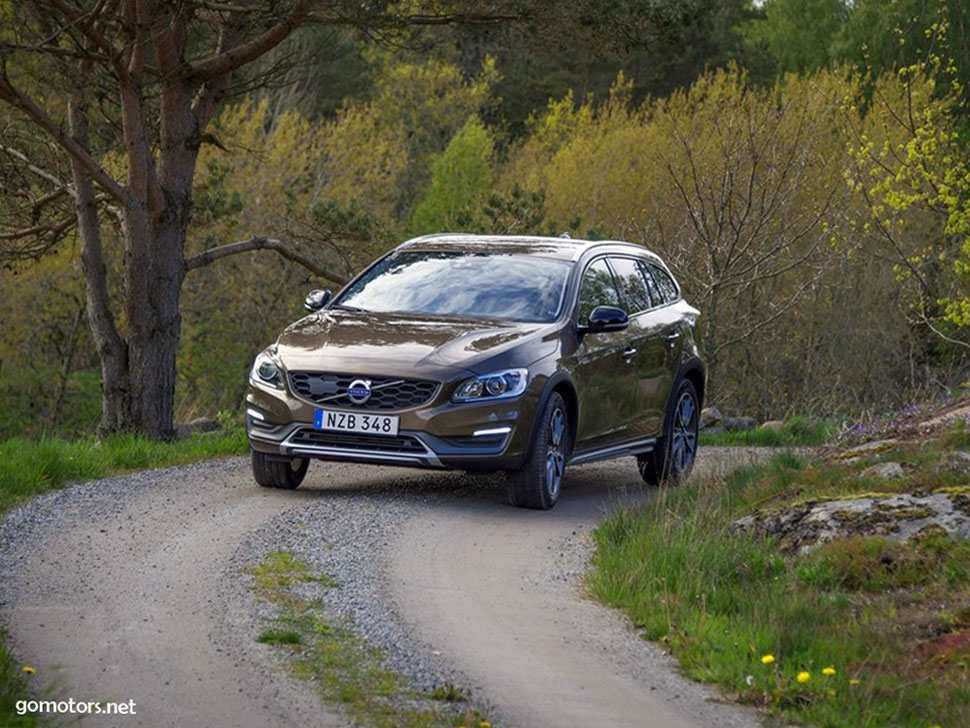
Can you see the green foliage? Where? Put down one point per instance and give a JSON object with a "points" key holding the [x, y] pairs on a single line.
{"points": [[874, 36], [518, 212], [579, 47], [797, 33], [460, 180], [911, 165], [29, 396], [721, 601]]}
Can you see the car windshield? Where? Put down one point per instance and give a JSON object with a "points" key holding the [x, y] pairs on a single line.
{"points": [[511, 287]]}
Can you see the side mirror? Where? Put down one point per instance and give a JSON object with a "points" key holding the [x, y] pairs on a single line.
{"points": [[604, 319], [317, 299]]}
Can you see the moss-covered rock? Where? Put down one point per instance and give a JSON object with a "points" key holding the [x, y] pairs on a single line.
{"points": [[900, 517]]}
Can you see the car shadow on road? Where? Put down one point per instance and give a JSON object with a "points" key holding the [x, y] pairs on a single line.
{"points": [[588, 489], [600, 487]]}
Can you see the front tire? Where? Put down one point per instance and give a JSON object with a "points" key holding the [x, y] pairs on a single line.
{"points": [[538, 482], [672, 458], [276, 473]]}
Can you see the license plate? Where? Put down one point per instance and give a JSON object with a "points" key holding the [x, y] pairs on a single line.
{"points": [[356, 422]]}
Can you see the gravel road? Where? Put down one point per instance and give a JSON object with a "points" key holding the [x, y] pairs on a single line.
{"points": [[134, 588]]}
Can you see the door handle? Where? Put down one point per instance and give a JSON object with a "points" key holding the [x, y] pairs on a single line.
{"points": [[672, 337], [628, 354]]}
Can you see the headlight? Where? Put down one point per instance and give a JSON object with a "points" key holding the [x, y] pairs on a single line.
{"points": [[496, 385], [265, 371]]}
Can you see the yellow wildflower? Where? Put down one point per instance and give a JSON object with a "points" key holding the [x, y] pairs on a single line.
{"points": [[484, 724], [28, 669], [767, 659], [804, 677], [828, 670], [853, 681]]}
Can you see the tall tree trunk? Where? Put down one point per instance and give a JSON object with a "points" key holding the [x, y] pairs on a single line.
{"points": [[154, 312], [112, 349], [157, 323]]}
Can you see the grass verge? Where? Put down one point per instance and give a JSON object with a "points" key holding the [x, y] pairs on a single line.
{"points": [[30, 467], [13, 687], [796, 431], [346, 669], [863, 632]]}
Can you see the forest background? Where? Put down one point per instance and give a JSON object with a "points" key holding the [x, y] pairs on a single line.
{"points": [[803, 166]]}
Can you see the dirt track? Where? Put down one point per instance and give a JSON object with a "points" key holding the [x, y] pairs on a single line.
{"points": [[132, 589]]}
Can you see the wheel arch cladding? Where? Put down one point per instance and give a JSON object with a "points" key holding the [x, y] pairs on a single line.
{"points": [[693, 370], [561, 384], [565, 389]]}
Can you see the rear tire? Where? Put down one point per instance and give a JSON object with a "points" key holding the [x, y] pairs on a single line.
{"points": [[538, 482], [673, 455], [274, 473]]}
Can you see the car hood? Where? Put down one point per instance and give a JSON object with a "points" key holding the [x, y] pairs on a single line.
{"points": [[400, 345]]}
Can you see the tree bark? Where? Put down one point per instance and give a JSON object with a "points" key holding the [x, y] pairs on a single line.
{"points": [[155, 335], [257, 242], [112, 349]]}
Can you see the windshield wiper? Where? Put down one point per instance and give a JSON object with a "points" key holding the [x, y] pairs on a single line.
{"points": [[345, 307]]}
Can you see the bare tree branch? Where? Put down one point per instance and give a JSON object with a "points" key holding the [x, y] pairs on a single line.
{"points": [[19, 100], [233, 58], [53, 230], [40, 172], [462, 18], [260, 243], [943, 336]]}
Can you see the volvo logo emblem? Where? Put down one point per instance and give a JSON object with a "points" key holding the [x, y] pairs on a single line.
{"points": [[359, 391]]}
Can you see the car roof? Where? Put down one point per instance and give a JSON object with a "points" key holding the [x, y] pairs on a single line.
{"points": [[564, 248]]}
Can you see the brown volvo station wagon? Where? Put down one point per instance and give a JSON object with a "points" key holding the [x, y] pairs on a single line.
{"points": [[520, 354]]}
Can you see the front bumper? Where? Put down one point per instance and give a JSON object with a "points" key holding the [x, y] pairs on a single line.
{"points": [[442, 434]]}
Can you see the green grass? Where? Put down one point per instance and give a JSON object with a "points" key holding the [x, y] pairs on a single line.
{"points": [[720, 601], [280, 637], [13, 687], [796, 432], [29, 467], [347, 671]]}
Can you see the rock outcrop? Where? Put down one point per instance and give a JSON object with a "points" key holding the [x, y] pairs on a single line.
{"points": [[800, 529]]}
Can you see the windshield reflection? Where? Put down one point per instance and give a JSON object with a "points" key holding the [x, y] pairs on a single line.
{"points": [[511, 287]]}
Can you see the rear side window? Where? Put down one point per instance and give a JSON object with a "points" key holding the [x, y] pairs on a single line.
{"points": [[633, 287], [598, 289], [664, 287]]}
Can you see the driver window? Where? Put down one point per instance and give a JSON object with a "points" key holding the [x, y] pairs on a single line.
{"points": [[598, 289], [632, 285]]}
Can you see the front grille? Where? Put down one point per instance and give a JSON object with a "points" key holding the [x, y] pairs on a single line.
{"points": [[351, 441], [387, 393]]}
